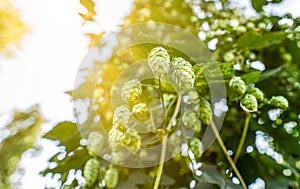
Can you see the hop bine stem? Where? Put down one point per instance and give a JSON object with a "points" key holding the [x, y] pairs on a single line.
{"points": [[220, 141], [242, 141], [164, 144]]}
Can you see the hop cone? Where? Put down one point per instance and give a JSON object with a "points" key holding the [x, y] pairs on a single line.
{"points": [[205, 111], [159, 61], [95, 143], [237, 85], [91, 170], [111, 177], [196, 147], [183, 73], [249, 103], [259, 95], [131, 91], [121, 117], [141, 112], [279, 102]]}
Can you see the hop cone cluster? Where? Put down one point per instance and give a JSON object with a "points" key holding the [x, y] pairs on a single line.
{"points": [[120, 133], [159, 61]]}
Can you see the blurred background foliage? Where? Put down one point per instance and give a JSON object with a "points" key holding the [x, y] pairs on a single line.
{"points": [[12, 28], [264, 49]]}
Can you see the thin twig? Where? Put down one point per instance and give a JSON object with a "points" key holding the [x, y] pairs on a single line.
{"points": [[220, 141], [161, 162], [242, 142]]}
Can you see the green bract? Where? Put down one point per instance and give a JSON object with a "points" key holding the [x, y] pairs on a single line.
{"points": [[131, 91], [249, 103], [159, 61], [183, 73], [91, 171], [279, 102], [238, 86]]}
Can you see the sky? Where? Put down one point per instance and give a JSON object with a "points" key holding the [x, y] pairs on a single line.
{"points": [[45, 66]]}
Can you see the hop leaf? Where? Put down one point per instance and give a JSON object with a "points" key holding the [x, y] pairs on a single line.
{"points": [[259, 95], [141, 112], [196, 147], [131, 91], [279, 102], [205, 111], [249, 103], [238, 86], [121, 117], [183, 73], [159, 61], [95, 143], [91, 171], [111, 177]]}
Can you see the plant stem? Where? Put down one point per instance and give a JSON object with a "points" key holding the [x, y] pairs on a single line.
{"points": [[220, 141], [161, 162], [242, 141], [164, 144], [243, 138], [161, 96]]}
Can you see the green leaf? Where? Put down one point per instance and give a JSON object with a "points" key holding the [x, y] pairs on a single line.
{"points": [[75, 160], [220, 73], [251, 78], [270, 73], [258, 4], [67, 134], [254, 40], [211, 174], [251, 40]]}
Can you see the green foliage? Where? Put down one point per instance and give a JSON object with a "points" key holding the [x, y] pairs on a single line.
{"points": [[24, 129], [254, 94], [67, 134]]}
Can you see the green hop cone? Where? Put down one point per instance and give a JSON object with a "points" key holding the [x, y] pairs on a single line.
{"points": [[193, 100], [205, 111], [121, 118], [111, 177], [159, 61], [196, 147], [135, 139], [91, 171], [238, 86], [190, 119], [259, 95], [131, 91], [279, 102], [249, 103], [141, 112], [183, 73], [95, 143], [228, 56]]}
